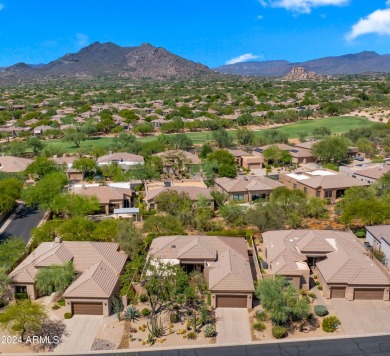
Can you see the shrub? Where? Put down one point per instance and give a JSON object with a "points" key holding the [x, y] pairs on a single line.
{"points": [[21, 296], [56, 306], [131, 314], [317, 283], [279, 332], [261, 315], [315, 276], [143, 298], [145, 312], [319, 287], [231, 233], [191, 336], [68, 315], [329, 323], [61, 302], [259, 326], [174, 318], [320, 310], [209, 331], [312, 295]]}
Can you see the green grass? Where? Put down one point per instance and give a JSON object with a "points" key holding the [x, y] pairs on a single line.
{"points": [[337, 124]]}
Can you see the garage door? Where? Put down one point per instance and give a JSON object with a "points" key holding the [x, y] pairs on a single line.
{"points": [[231, 301], [88, 308], [337, 292], [254, 166], [373, 294]]}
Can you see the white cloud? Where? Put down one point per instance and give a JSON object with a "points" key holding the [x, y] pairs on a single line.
{"points": [[377, 22], [302, 6], [82, 39], [1, 7], [260, 17], [242, 58]]}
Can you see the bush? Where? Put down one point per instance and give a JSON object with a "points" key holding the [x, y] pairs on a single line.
{"points": [[231, 233], [174, 318], [259, 326], [56, 306], [21, 296], [317, 283], [61, 302], [68, 315], [279, 332], [143, 298], [191, 336], [209, 331], [145, 312], [320, 310], [329, 323], [319, 287], [315, 276], [260, 315]]}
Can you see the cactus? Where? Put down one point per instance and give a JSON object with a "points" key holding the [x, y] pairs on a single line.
{"points": [[156, 327]]}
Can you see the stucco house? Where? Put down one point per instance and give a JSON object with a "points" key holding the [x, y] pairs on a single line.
{"points": [[246, 189], [379, 239], [224, 261], [122, 159], [343, 266], [11, 164], [98, 264]]}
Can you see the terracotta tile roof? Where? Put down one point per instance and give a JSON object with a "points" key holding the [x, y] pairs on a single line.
{"points": [[103, 193], [346, 262], [103, 258], [120, 156], [246, 183], [11, 164]]}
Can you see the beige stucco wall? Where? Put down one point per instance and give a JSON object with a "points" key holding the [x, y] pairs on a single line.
{"points": [[31, 290]]}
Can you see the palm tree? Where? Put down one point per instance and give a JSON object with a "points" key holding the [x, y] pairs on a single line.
{"points": [[55, 278]]}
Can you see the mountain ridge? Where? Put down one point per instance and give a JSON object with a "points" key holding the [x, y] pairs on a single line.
{"points": [[347, 64]]}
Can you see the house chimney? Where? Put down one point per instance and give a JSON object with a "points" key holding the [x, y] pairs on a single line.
{"points": [[58, 240]]}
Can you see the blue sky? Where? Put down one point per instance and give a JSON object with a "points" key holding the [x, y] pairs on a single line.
{"points": [[212, 32]]}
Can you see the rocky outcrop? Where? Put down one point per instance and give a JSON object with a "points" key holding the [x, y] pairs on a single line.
{"points": [[300, 73]]}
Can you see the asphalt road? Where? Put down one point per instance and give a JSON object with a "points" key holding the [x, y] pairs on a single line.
{"points": [[365, 346], [25, 219]]}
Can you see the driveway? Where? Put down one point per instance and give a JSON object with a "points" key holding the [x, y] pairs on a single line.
{"points": [[232, 326], [361, 317], [82, 330]]}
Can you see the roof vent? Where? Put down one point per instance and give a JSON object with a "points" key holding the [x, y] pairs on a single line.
{"points": [[167, 184], [173, 246]]}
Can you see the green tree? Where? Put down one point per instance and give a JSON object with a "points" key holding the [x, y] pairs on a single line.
{"points": [[70, 205], [74, 135], [222, 138], [17, 148], [106, 230], [143, 172], [233, 214], [265, 218], [176, 204], [46, 232], [332, 149], [55, 278], [10, 190], [45, 190], [89, 129], [205, 150], [23, 316], [85, 165], [143, 129], [245, 136], [11, 250], [371, 212], [129, 238], [35, 144], [222, 157], [382, 185], [224, 170], [281, 299], [163, 225], [77, 229], [5, 287], [41, 167]]}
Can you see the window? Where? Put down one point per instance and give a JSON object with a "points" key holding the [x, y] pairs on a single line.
{"points": [[328, 194], [295, 186], [238, 197], [318, 193], [305, 190], [20, 289]]}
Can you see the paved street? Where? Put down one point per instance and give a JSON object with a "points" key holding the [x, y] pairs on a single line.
{"points": [[22, 222], [232, 326], [82, 331]]}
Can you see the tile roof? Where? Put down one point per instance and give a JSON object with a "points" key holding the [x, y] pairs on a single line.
{"points": [[11, 164], [103, 193], [99, 263], [247, 183], [170, 155], [120, 156], [227, 257], [380, 232]]}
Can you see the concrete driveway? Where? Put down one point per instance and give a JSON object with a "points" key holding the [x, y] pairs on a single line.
{"points": [[232, 326], [82, 330], [361, 317]]}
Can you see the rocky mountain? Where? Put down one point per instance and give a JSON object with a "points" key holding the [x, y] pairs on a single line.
{"points": [[109, 59], [300, 73], [359, 63]]}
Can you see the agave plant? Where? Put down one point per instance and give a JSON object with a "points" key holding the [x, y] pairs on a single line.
{"points": [[131, 314]]}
